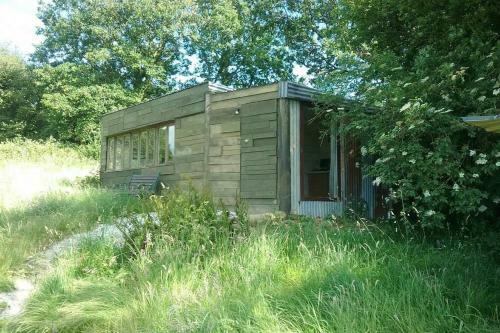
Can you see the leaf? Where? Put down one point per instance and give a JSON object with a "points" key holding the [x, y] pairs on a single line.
{"points": [[405, 107]]}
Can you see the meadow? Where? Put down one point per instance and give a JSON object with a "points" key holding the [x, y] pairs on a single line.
{"points": [[197, 270]]}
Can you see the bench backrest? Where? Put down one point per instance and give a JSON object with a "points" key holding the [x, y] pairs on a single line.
{"points": [[143, 183]]}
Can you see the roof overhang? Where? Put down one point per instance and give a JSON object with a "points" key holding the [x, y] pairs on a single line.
{"points": [[489, 123]]}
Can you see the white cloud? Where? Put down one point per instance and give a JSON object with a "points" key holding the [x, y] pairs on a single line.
{"points": [[18, 23]]}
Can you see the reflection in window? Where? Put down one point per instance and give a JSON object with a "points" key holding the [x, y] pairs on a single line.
{"points": [[142, 148], [135, 150], [111, 154], [126, 151], [162, 145], [171, 141]]}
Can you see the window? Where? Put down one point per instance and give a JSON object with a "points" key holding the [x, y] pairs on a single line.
{"points": [[118, 153], [111, 154], [171, 141], [162, 145], [135, 151], [143, 147], [139, 149], [151, 147], [126, 151]]}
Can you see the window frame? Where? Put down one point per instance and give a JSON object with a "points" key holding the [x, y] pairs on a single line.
{"points": [[153, 130]]}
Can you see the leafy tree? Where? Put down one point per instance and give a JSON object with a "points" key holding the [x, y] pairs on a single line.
{"points": [[419, 66], [73, 101], [243, 43], [136, 44], [17, 97]]}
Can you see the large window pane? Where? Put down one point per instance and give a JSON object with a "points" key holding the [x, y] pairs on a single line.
{"points": [[118, 153], [151, 147], [162, 145], [110, 165], [171, 141], [143, 146], [126, 151], [135, 150]]}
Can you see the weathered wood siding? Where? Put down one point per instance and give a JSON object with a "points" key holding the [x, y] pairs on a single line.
{"points": [[228, 162], [259, 155], [184, 108]]}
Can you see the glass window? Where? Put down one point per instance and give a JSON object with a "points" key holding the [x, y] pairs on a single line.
{"points": [[151, 147], [135, 150], [118, 153], [142, 148], [171, 141], [126, 151], [162, 145], [111, 154]]}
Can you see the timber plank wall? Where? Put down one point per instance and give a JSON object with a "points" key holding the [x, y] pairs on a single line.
{"points": [[225, 141]]}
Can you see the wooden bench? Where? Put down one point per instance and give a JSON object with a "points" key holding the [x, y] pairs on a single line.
{"points": [[142, 184]]}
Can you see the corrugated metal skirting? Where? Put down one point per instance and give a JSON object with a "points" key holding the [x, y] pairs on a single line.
{"points": [[320, 208]]}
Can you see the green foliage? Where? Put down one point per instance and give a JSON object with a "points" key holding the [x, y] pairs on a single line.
{"points": [[417, 69], [187, 218], [298, 275], [74, 99], [242, 43], [17, 97], [134, 44]]}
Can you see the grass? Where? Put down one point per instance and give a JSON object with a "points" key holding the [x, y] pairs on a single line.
{"points": [[197, 271]]}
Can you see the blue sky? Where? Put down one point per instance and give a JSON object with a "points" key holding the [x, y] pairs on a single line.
{"points": [[18, 24]]}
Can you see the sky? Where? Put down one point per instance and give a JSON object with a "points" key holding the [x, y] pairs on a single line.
{"points": [[18, 23]]}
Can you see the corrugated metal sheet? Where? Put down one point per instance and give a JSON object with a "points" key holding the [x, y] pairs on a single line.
{"points": [[368, 195], [295, 155], [296, 91], [320, 208]]}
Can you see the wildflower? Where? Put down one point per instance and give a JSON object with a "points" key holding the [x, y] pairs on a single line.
{"points": [[391, 150], [461, 175], [475, 175], [497, 163], [377, 181], [430, 212], [497, 154], [472, 152], [412, 161], [481, 161], [364, 151], [404, 153], [427, 193], [482, 208], [456, 187], [496, 200]]}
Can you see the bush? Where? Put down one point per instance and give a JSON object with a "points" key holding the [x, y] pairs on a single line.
{"points": [[189, 219]]}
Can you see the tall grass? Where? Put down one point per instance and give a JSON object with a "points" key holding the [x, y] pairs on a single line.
{"points": [[41, 201], [196, 270]]}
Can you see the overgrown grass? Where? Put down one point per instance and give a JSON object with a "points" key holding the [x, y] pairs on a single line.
{"points": [[41, 201], [199, 271], [298, 275]]}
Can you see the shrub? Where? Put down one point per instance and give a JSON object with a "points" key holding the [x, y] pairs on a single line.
{"points": [[185, 218]]}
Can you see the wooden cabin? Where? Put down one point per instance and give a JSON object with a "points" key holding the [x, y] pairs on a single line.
{"points": [[258, 144]]}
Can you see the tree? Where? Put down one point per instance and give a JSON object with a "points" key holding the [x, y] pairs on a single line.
{"points": [[243, 43], [17, 97], [419, 67], [135, 44]]}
